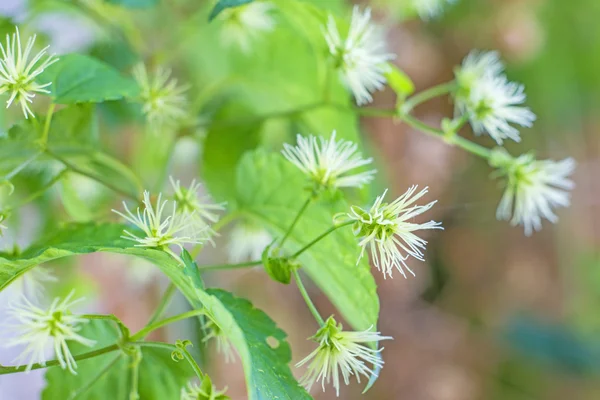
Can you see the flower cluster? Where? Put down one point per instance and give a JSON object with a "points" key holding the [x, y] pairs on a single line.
{"points": [[341, 352], [491, 102], [360, 56], [533, 188], [38, 329], [18, 73], [163, 101]]}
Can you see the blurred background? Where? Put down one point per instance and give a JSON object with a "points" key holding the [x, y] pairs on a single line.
{"points": [[492, 314]]}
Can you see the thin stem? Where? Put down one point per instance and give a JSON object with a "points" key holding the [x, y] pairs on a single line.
{"points": [[123, 329], [230, 266], [296, 219], [135, 374], [307, 299], [318, 238], [152, 327], [37, 194], [95, 379], [172, 347], [163, 304], [428, 94], [46, 130], [91, 176], [21, 167], [11, 370]]}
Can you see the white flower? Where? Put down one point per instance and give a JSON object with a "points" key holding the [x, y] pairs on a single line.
{"points": [[245, 23], [204, 391], [494, 104], [330, 162], [39, 329], [428, 9], [247, 242], [386, 230], [361, 57], [163, 101], [341, 352], [201, 209], [224, 346], [491, 102], [160, 231], [533, 188], [18, 73], [30, 285]]}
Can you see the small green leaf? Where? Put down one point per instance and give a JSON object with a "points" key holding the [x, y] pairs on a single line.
{"points": [[160, 377], [223, 4], [399, 81], [190, 269], [77, 78]]}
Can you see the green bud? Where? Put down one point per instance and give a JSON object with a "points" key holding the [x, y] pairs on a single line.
{"points": [[277, 267]]}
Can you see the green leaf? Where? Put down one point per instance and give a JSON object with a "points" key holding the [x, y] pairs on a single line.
{"points": [[223, 4], [250, 330], [77, 78], [159, 376], [399, 81], [271, 191]]}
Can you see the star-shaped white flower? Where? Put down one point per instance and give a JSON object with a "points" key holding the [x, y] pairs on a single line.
{"points": [[38, 329], [341, 352], [164, 103], [329, 163], [533, 188], [161, 225], [387, 231], [244, 24], [18, 73], [361, 56]]}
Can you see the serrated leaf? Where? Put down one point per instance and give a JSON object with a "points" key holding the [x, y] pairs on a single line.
{"points": [[271, 191], [78, 78], [160, 377], [224, 4], [266, 369]]}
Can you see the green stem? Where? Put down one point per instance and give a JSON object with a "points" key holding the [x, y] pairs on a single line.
{"points": [[296, 219], [21, 167], [46, 130], [123, 329], [463, 143], [11, 370], [164, 303], [95, 379], [135, 374], [91, 176], [151, 327], [229, 266], [318, 238], [307, 299], [428, 94], [172, 347], [37, 194]]}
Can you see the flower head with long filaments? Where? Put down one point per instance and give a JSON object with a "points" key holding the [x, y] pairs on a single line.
{"points": [[203, 391], [494, 103], [164, 103], [341, 352], [329, 163], [385, 229], [533, 189], [476, 65], [361, 57], [160, 231], [39, 329], [215, 332], [244, 24], [18, 73], [201, 209]]}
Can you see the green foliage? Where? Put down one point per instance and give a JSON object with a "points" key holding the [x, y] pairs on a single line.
{"points": [[134, 3], [159, 376], [77, 78], [270, 192]]}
